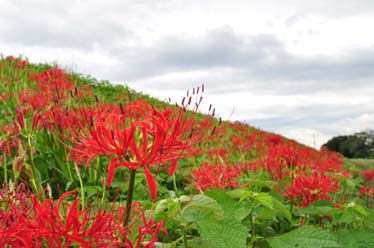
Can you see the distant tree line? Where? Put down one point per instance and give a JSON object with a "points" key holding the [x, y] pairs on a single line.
{"points": [[358, 145]]}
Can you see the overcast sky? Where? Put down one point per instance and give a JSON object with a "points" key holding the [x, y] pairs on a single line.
{"points": [[304, 69]]}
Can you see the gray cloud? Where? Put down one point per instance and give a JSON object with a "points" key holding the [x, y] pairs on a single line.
{"points": [[241, 62], [58, 25]]}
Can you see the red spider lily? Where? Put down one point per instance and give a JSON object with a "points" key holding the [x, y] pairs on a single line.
{"points": [[215, 153], [368, 175], [10, 140], [148, 228], [310, 188], [54, 83], [26, 222], [51, 89], [215, 177], [366, 191], [21, 64], [244, 144], [21, 119], [33, 99], [140, 136], [282, 156], [274, 140], [363, 190], [103, 133]]}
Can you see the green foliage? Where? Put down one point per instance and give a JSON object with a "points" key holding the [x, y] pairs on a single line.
{"points": [[303, 237], [355, 238], [225, 233], [262, 199], [238, 210], [201, 207]]}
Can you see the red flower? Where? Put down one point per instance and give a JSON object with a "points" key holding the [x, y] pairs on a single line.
{"points": [[368, 174], [310, 188], [215, 177], [140, 136], [26, 222], [363, 191]]}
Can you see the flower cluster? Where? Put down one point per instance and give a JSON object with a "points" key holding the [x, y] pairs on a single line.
{"points": [[215, 177], [309, 188], [27, 222], [139, 136]]}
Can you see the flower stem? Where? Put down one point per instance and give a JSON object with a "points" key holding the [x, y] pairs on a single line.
{"points": [[34, 177], [80, 183], [185, 239], [129, 197], [175, 185]]}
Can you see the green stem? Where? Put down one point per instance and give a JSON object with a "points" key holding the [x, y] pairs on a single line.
{"points": [[68, 166], [175, 185], [129, 197], [97, 169], [103, 198], [185, 239], [34, 177], [81, 184]]}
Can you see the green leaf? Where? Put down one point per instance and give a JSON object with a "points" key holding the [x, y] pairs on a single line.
{"points": [[304, 237], [202, 207], [198, 243], [264, 213], [356, 238], [239, 193], [320, 210], [230, 207], [166, 208], [92, 190], [226, 233], [282, 209], [345, 217], [265, 199], [361, 210]]}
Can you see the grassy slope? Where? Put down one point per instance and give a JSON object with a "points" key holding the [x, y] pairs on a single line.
{"points": [[365, 163]]}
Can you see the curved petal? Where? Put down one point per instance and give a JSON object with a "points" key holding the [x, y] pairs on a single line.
{"points": [[173, 167], [111, 168], [151, 183]]}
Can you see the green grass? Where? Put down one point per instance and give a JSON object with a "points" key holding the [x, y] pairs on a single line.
{"points": [[363, 162]]}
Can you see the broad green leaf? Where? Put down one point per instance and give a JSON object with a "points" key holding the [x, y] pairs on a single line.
{"points": [[239, 194], [361, 210], [265, 199], [283, 210], [230, 207], [226, 233], [304, 237], [345, 217], [200, 207], [320, 210], [356, 238], [198, 243], [166, 208], [184, 198], [264, 213]]}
